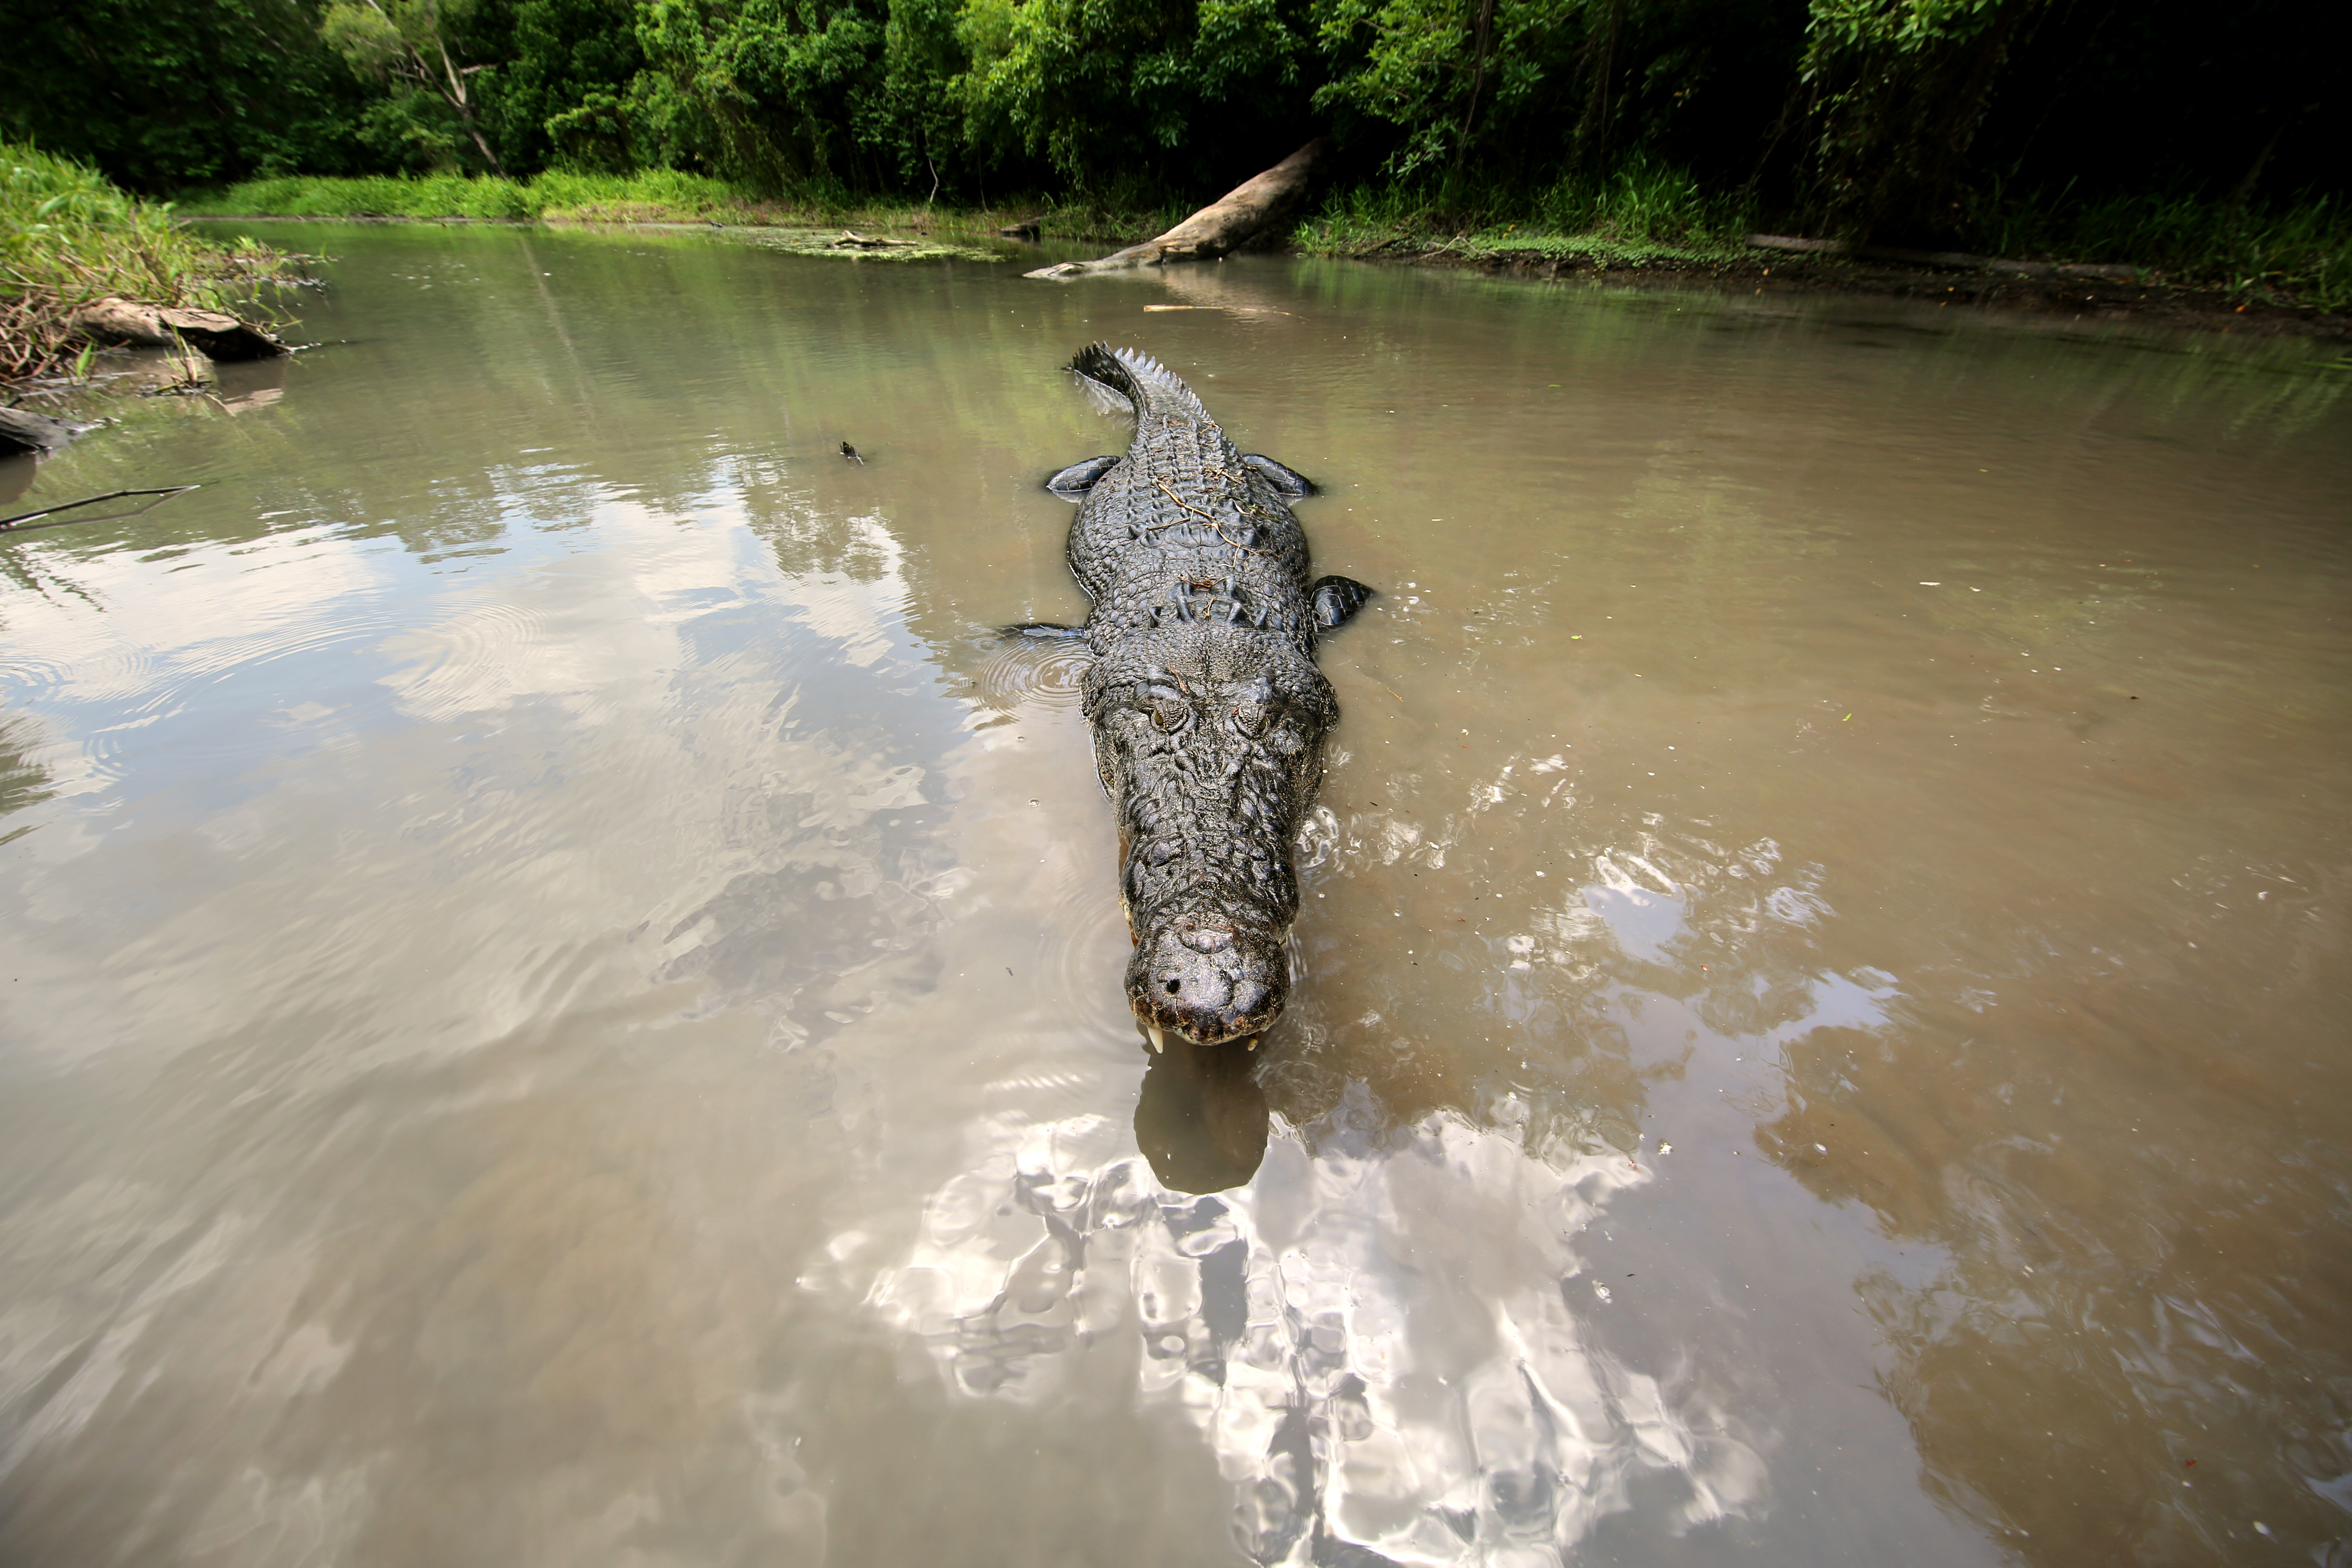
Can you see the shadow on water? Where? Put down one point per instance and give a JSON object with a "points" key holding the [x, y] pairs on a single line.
{"points": [[1200, 1117]]}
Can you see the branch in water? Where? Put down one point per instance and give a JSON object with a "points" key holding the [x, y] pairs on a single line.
{"points": [[161, 495]]}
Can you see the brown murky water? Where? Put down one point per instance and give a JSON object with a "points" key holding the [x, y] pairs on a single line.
{"points": [[562, 996]]}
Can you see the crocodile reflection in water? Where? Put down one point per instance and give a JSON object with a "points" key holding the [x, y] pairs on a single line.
{"points": [[1201, 1119]]}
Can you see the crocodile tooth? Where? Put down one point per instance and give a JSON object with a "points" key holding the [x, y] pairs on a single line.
{"points": [[1253, 1041], [1158, 1044]]}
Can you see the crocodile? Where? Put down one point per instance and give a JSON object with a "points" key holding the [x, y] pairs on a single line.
{"points": [[1207, 711]]}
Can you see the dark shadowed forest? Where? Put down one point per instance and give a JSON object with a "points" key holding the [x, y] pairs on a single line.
{"points": [[2145, 131]]}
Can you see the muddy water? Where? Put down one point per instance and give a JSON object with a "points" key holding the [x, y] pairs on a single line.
{"points": [[561, 1000]]}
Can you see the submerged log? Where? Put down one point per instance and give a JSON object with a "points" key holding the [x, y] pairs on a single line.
{"points": [[219, 335], [22, 431], [1235, 219]]}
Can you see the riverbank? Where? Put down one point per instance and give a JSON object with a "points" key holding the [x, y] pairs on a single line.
{"points": [[2177, 263], [2147, 296], [2288, 273], [658, 196], [82, 263]]}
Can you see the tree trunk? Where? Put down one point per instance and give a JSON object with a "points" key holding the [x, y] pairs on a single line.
{"points": [[1224, 224], [1477, 79], [458, 99]]}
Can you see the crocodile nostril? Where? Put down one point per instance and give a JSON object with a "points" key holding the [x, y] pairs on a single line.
{"points": [[1206, 939], [1174, 987]]}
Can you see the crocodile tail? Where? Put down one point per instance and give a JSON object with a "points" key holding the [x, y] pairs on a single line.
{"points": [[1136, 380]]}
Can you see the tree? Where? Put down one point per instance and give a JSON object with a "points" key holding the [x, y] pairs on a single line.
{"points": [[1900, 88], [406, 42], [560, 93], [162, 94], [1135, 91]]}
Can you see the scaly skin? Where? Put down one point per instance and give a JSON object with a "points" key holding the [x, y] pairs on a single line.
{"points": [[1207, 711]]}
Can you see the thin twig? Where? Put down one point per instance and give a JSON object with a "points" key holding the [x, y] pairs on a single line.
{"points": [[163, 494], [1216, 524]]}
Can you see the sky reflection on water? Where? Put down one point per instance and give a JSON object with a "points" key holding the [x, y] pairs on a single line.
{"points": [[564, 995]]}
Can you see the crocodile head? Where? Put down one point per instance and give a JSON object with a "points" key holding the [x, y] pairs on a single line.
{"points": [[1210, 743]]}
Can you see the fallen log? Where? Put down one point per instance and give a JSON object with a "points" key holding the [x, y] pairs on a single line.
{"points": [[24, 432], [219, 335], [1225, 225]]}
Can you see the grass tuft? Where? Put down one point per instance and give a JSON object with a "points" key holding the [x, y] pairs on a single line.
{"points": [[2299, 253], [67, 237], [1642, 212]]}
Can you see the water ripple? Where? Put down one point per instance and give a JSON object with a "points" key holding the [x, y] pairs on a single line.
{"points": [[460, 664], [1015, 672]]}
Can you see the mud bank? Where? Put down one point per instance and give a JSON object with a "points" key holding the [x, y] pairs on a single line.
{"points": [[2155, 303]]}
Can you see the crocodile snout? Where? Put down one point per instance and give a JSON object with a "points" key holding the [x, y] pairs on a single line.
{"points": [[1208, 979]]}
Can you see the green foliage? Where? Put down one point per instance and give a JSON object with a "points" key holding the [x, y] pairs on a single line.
{"points": [[1641, 122], [2300, 250], [1424, 67], [415, 46], [1642, 199], [372, 195], [915, 116], [67, 237], [365, 35], [649, 195], [658, 194], [764, 92], [1642, 210], [413, 133], [166, 93], [1900, 88], [1107, 93], [560, 98]]}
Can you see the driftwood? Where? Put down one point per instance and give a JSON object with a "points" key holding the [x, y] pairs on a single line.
{"points": [[1232, 221], [218, 335], [22, 431], [1953, 259]]}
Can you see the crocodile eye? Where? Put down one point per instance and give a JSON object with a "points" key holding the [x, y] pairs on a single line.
{"points": [[1168, 712], [1250, 718]]}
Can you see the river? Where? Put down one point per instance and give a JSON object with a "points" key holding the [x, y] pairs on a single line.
{"points": [[562, 992]]}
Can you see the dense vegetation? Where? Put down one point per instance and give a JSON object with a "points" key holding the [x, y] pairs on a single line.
{"points": [[68, 237], [2066, 124]]}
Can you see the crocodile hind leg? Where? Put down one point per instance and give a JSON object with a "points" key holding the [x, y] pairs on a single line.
{"points": [[1291, 484], [1073, 482]]}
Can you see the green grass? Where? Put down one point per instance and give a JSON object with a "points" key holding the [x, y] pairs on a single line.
{"points": [[68, 237], [683, 197], [1643, 214], [659, 196], [2300, 252]]}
